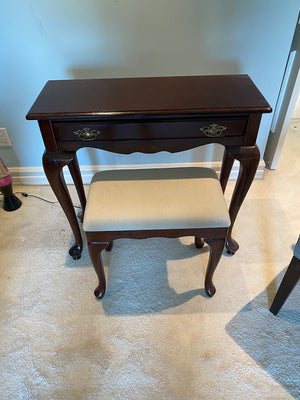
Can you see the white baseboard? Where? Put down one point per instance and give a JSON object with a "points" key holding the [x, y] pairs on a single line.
{"points": [[36, 176]]}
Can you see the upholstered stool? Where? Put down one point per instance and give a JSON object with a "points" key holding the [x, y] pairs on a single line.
{"points": [[171, 202]]}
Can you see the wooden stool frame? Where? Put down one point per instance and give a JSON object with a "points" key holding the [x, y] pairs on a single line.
{"points": [[214, 237]]}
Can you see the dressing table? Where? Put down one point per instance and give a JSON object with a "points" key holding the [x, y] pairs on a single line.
{"points": [[148, 115]]}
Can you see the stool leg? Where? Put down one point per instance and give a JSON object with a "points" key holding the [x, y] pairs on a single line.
{"points": [[216, 250], [110, 246], [95, 249], [199, 242]]}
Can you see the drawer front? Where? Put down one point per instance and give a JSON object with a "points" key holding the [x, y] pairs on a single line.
{"points": [[89, 131]]}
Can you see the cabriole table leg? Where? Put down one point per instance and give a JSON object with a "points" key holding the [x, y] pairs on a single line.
{"points": [[53, 164], [249, 159]]}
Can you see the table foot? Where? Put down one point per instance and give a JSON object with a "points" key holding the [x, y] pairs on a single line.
{"points": [[75, 251], [210, 289], [99, 292], [231, 246]]}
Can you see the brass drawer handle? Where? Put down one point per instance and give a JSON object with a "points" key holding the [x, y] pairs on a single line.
{"points": [[87, 133], [213, 130]]}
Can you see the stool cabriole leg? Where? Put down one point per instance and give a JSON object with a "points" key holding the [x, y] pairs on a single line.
{"points": [[199, 242], [216, 250], [110, 246], [95, 249]]}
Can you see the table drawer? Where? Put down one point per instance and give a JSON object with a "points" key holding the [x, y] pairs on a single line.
{"points": [[98, 131]]}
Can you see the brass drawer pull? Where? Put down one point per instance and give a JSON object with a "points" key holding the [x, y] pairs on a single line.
{"points": [[87, 133], [213, 130]]}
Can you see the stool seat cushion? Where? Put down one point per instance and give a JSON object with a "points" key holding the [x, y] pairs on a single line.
{"points": [[162, 198]]}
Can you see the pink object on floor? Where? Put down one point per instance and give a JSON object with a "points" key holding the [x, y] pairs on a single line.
{"points": [[5, 178]]}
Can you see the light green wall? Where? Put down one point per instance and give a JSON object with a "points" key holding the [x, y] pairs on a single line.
{"points": [[67, 39]]}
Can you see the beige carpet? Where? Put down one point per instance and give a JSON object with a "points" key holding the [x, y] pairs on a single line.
{"points": [[155, 335]]}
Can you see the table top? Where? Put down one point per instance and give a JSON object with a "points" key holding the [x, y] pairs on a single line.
{"points": [[119, 97]]}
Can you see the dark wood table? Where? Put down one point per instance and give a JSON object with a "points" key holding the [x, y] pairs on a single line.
{"points": [[148, 115]]}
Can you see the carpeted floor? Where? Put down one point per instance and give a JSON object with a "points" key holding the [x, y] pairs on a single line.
{"points": [[155, 335]]}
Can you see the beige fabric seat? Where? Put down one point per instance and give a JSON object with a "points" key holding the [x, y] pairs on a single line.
{"points": [[170, 198], [141, 203]]}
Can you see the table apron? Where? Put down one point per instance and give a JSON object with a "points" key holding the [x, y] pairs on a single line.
{"points": [[148, 146]]}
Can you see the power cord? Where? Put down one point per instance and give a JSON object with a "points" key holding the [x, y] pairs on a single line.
{"points": [[24, 194]]}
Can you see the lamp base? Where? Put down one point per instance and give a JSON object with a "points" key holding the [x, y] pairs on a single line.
{"points": [[10, 201]]}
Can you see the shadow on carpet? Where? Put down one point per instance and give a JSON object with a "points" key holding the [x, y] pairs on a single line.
{"points": [[272, 341], [139, 273]]}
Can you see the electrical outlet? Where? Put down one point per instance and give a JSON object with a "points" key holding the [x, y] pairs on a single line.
{"points": [[4, 139]]}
